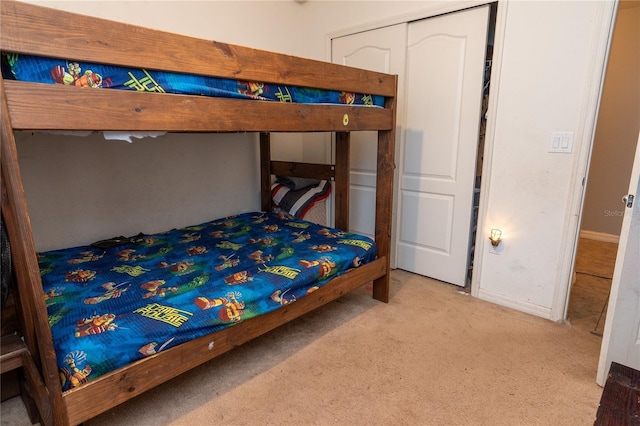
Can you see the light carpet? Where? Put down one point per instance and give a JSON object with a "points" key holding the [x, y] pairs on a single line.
{"points": [[432, 356]]}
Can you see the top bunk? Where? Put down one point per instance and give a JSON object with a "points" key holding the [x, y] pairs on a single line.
{"points": [[27, 30]]}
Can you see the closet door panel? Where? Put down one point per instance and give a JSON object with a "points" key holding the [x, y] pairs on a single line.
{"points": [[381, 50], [443, 97]]}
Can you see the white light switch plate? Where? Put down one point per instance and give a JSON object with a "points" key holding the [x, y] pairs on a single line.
{"points": [[561, 142]]}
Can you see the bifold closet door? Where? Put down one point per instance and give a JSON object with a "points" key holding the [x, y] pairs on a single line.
{"points": [[380, 50], [443, 97]]}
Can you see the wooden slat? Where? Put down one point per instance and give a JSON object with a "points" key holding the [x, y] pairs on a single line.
{"points": [[42, 31], [36, 106], [143, 375], [303, 170], [11, 349]]}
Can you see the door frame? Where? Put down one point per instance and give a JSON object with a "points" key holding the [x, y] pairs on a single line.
{"points": [[600, 52], [611, 338]]}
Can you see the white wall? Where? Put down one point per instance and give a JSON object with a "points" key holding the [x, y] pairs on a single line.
{"points": [[549, 76]]}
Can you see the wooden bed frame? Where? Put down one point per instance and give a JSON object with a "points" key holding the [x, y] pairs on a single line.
{"points": [[35, 30]]}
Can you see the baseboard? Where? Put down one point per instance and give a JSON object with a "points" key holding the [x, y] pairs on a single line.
{"points": [[518, 305], [599, 236]]}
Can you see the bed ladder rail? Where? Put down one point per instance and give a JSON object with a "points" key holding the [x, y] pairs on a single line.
{"points": [[13, 355], [32, 311]]}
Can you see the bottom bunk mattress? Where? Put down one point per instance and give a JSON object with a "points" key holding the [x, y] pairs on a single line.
{"points": [[120, 300]]}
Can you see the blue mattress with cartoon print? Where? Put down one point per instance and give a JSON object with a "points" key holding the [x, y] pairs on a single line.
{"points": [[119, 300], [81, 74]]}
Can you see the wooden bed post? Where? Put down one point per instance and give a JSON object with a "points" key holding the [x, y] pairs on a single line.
{"points": [[342, 164], [265, 172], [35, 322], [384, 200]]}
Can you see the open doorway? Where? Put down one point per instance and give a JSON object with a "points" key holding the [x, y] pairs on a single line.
{"points": [[609, 172]]}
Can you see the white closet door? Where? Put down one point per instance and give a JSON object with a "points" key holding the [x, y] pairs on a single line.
{"points": [[444, 80], [380, 50]]}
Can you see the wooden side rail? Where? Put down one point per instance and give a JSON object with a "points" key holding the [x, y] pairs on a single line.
{"points": [[142, 375], [36, 106]]}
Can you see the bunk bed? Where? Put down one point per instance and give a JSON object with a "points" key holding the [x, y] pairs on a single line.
{"points": [[30, 30]]}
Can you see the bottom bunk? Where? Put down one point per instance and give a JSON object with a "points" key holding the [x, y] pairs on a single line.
{"points": [[47, 283], [127, 314], [138, 296]]}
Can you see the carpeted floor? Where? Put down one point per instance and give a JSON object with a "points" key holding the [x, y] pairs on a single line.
{"points": [[432, 356]]}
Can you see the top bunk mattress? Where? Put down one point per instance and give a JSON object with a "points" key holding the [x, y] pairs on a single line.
{"points": [[100, 76], [113, 303]]}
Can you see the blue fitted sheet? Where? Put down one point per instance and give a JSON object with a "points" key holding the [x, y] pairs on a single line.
{"points": [[111, 306], [82, 74]]}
